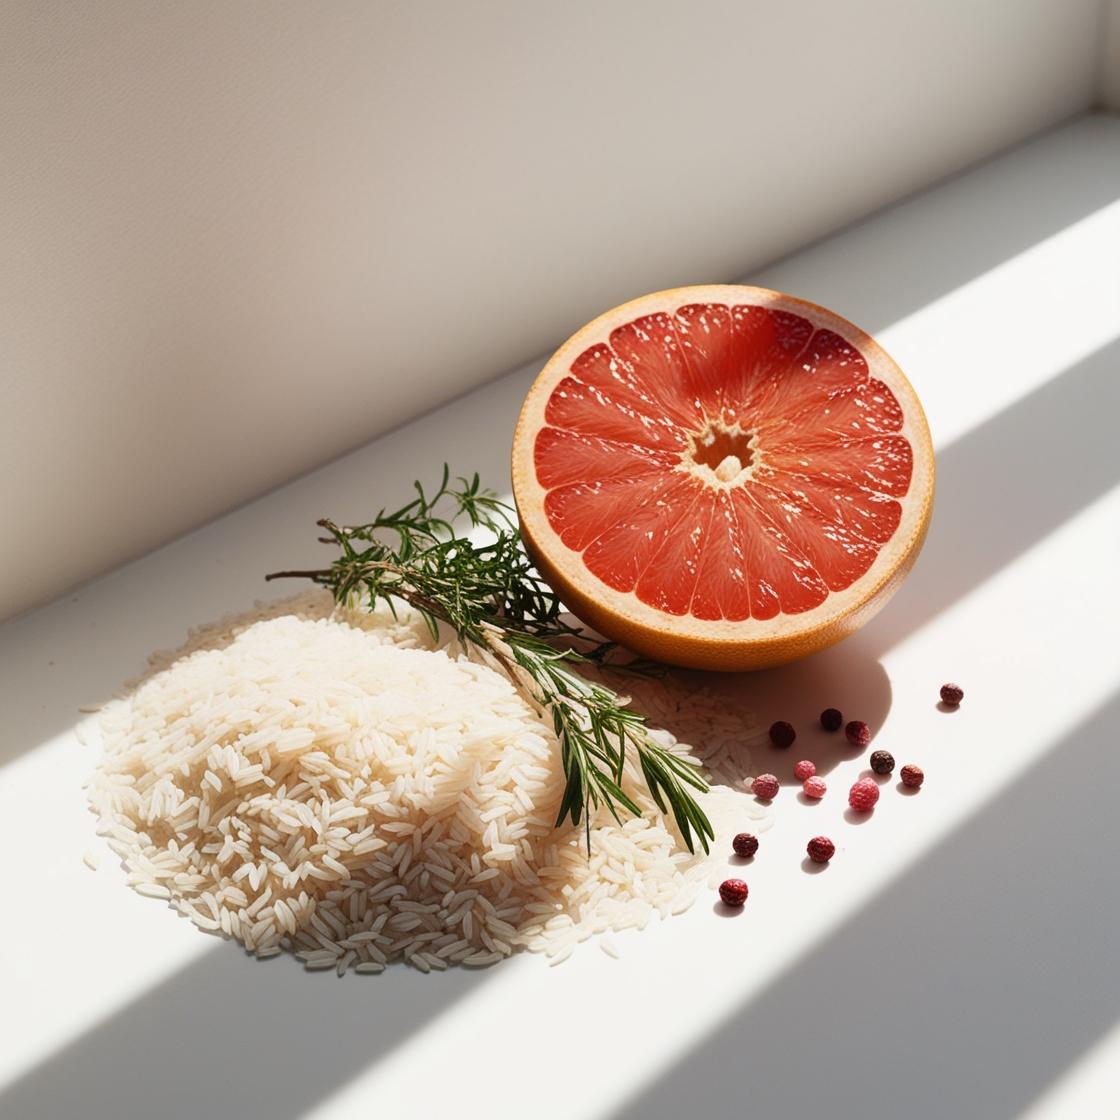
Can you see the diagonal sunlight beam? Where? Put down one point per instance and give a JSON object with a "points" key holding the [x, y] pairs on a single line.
{"points": [[1053, 507], [986, 912], [1009, 330], [1006, 737], [1046, 460], [1065, 320], [1039, 461]]}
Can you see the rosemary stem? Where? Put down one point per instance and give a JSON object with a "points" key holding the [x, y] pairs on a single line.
{"points": [[493, 599]]}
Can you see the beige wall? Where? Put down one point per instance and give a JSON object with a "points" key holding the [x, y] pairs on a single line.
{"points": [[240, 238], [1110, 56]]}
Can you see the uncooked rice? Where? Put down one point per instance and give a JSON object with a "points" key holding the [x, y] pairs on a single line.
{"points": [[336, 784]]}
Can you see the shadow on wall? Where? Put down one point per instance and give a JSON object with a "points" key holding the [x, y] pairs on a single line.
{"points": [[1038, 994]]}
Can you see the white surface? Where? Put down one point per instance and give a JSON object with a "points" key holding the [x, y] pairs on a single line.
{"points": [[957, 957], [241, 239]]}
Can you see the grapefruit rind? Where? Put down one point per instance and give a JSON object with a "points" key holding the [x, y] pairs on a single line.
{"points": [[722, 644]]}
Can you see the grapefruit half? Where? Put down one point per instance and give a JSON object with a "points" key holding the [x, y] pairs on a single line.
{"points": [[723, 477]]}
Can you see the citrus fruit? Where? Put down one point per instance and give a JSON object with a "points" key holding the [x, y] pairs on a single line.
{"points": [[722, 477]]}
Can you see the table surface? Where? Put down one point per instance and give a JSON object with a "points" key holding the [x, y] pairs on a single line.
{"points": [[957, 958]]}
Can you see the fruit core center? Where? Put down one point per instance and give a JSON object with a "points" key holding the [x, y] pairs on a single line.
{"points": [[724, 451]]}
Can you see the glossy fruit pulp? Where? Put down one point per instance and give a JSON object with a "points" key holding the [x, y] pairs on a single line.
{"points": [[798, 507]]}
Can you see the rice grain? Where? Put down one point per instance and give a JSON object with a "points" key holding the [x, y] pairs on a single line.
{"points": [[305, 777]]}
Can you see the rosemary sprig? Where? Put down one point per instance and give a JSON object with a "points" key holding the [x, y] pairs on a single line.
{"points": [[493, 599]]}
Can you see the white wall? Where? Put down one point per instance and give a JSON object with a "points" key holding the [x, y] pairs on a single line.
{"points": [[241, 238], [1110, 56]]}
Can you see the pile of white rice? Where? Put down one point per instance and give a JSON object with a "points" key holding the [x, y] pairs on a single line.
{"points": [[332, 784]]}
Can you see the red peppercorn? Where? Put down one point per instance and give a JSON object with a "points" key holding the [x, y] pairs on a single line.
{"points": [[733, 892], [782, 734], [912, 776], [804, 769], [765, 786], [882, 762], [814, 788], [952, 694], [863, 795], [831, 719], [820, 849], [745, 844], [858, 733]]}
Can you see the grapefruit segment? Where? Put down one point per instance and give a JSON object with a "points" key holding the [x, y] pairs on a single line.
{"points": [[604, 370], [620, 554], [880, 465], [609, 411], [838, 554], [864, 516], [650, 360], [843, 414], [782, 576], [706, 339], [721, 587], [669, 579], [563, 457], [723, 477], [584, 511], [767, 343], [825, 366]]}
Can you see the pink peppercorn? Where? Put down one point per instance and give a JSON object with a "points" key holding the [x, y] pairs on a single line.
{"points": [[804, 769], [765, 786], [912, 776], [820, 849], [733, 892], [745, 845], [782, 734], [863, 795], [858, 733], [814, 787]]}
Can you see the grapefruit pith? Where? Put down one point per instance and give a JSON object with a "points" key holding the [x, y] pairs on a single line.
{"points": [[723, 477]]}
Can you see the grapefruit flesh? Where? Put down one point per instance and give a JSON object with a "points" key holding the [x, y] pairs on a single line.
{"points": [[723, 477]]}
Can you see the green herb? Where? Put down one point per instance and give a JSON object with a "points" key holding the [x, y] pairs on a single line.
{"points": [[492, 597]]}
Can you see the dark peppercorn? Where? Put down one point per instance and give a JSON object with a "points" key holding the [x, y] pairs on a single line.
{"points": [[858, 733], [831, 719], [745, 844], [733, 892], [952, 694], [821, 849], [882, 762], [912, 776], [782, 734]]}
